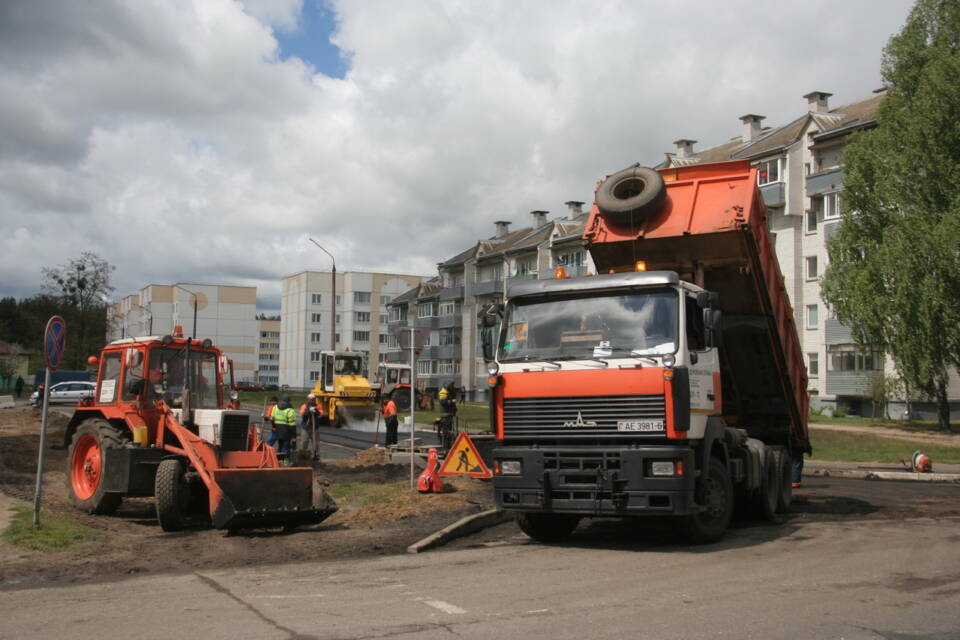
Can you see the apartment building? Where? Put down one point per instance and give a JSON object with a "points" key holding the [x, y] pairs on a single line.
{"points": [[801, 179], [313, 319], [226, 314], [444, 308], [268, 352]]}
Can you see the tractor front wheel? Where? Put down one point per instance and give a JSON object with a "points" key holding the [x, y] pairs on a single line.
{"points": [[172, 495], [86, 466]]}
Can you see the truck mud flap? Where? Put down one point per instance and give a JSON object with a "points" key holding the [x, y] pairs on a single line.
{"points": [[254, 498]]}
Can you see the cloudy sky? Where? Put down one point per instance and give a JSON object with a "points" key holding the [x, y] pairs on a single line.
{"points": [[205, 140]]}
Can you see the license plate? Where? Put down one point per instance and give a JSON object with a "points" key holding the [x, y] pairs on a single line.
{"points": [[640, 425]]}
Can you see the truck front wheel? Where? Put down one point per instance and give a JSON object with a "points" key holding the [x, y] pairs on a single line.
{"points": [[716, 500], [547, 527], [86, 466]]}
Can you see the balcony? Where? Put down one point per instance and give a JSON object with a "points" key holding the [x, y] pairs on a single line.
{"points": [[456, 320], [837, 333], [484, 288], [849, 383], [451, 293], [430, 322], [829, 180], [774, 194], [447, 352]]}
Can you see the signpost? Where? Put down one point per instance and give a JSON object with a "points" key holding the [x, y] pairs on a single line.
{"points": [[415, 337], [54, 345]]}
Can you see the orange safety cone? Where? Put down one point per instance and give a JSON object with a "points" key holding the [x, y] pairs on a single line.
{"points": [[429, 480]]}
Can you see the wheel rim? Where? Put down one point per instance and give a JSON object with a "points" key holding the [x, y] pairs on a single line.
{"points": [[715, 499], [86, 467]]}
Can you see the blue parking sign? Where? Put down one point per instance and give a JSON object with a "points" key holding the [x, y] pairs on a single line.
{"points": [[55, 342]]}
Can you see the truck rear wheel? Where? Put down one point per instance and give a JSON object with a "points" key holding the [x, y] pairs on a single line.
{"points": [[172, 495], [86, 466], [764, 502], [547, 527], [716, 498], [785, 495], [630, 195]]}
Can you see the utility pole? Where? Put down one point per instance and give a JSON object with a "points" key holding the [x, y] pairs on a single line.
{"points": [[333, 298]]}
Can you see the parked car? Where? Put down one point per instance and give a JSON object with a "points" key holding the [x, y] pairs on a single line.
{"points": [[246, 386], [72, 391]]}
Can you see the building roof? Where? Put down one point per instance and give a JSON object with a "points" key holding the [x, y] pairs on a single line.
{"points": [[772, 140], [8, 349]]}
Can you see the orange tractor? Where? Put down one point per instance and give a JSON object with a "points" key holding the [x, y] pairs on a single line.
{"points": [[164, 422]]}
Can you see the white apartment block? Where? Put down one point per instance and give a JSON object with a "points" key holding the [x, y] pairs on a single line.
{"points": [[306, 307], [225, 314], [268, 352]]}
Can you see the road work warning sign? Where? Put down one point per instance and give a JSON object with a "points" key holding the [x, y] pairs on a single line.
{"points": [[463, 460]]}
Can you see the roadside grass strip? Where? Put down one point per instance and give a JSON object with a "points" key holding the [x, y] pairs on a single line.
{"points": [[841, 446], [364, 494], [55, 533]]}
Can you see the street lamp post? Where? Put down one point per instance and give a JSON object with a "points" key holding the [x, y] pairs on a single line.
{"points": [[333, 298], [194, 294]]}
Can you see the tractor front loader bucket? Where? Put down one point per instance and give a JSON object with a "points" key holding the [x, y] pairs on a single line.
{"points": [[252, 498]]}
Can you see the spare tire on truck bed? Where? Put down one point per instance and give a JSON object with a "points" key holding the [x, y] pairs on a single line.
{"points": [[630, 195]]}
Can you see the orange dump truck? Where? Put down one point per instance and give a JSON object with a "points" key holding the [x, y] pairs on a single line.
{"points": [[672, 384]]}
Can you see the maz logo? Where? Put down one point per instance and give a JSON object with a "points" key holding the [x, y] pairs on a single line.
{"points": [[580, 422]]}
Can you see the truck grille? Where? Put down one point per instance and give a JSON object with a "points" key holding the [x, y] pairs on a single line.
{"points": [[580, 415]]}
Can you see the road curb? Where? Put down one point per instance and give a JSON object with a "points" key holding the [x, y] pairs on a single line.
{"points": [[462, 527], [901, 476]]}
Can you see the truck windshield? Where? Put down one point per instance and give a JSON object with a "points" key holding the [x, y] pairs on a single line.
{"points": [[592, 325], [167, 366]]}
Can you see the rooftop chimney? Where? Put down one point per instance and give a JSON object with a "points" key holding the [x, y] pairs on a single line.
{"points": [[684, 148], [539, 218], [503, 228], [574, 208], [751, 126], [817, 102]]}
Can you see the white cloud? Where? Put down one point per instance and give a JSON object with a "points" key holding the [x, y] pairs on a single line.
{"points": [[170, 138]]}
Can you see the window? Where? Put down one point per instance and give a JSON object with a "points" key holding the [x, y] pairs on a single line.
{"points": [[856, 361], [336, 338], [269, 356], [449, 308], [696, 332], [812, 316], [338, 319], [315, 298], [314, 376], [449, 336], [269, 334], [361, 297], [831, 205], [571, 259], [314, 356], [383, 318], [397, 314], [385, 299], [338, 298], [813, 364], [269, 345], [362, 317], [768, 171], [426, 309], [315, 336], [490, 272], [384, 338], [314, 317], [526, 266], [811, 220], [361, 336], [811, 267], [426, 367], [445, 367]]}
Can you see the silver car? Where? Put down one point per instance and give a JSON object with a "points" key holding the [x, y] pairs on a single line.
{"points": [[71, 392]]}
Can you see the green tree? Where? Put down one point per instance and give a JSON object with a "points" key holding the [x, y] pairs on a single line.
{"points": [[894, 268], [82, 286]]}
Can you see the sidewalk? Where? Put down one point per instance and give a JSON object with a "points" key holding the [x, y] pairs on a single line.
{"points": [[881, 471]]}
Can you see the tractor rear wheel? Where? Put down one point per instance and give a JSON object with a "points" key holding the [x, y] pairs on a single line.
{"points": [[86, 466], [172, 495]]}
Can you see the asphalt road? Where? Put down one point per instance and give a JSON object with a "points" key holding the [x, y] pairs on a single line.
{"points": [[857, 561]]}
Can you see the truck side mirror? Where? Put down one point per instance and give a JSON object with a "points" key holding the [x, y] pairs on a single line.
{"points": [[708, 300], [490, 314], [711, 327]]}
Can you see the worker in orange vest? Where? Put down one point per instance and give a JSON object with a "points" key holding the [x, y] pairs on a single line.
{"points": [[310, 414], [390, 420]]}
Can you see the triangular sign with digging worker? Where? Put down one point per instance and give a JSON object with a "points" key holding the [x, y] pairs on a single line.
{"points": [[463, 460]]}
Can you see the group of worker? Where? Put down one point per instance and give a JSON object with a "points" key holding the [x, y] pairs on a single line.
{"points": [[283, 420]]}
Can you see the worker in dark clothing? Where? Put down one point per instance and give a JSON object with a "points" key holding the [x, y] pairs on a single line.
{"points": [[285, 422], [18, 385], [310, 415], [390, 420], [268, 421]]}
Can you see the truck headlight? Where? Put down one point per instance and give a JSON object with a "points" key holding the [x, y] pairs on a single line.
{"points": [[510, 467], [669, 360], [662, 468], [493, 368]]}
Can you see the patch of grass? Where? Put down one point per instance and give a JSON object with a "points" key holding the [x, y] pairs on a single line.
{"points": [[362, 494], [858, 447], [908, 425], [474, 416], [55, 533]]}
